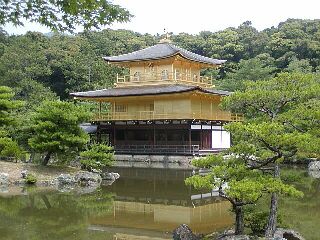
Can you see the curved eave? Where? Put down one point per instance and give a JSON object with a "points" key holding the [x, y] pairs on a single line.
{"points": [[84, 95], [131, 95]]}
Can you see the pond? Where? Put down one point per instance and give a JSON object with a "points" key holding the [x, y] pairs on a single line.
{"points": [[145, 203]]}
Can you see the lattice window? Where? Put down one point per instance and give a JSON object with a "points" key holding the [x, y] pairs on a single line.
{"points": [[136, 76], [178, 74], [164, 75], [120, 108], [195, 77]]}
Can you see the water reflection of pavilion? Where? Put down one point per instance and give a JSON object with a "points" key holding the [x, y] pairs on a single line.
{"points": [[158, 201]]}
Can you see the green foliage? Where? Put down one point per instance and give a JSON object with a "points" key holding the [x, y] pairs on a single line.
{"points": [[9, 148], [273, 131], [69, 63], [33, 93], [97, 157], [271, 97], [292, 177], [55, 127], [282, 117], [30, 179], [64, 64], [63, 15], [237, 182], [256, 219], [254, 69], [244, 185], [7, 104], [302, 66], [270, 134]]}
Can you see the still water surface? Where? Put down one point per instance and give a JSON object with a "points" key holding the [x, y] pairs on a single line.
{"points": [[144, 204]]}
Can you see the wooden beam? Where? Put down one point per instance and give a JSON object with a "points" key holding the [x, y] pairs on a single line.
{"points": [[190, 143], [154, 134]]}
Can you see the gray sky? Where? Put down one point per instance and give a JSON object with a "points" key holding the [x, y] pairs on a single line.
{"points": [[194, 16]]}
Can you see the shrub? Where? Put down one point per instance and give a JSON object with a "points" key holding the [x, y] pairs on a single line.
{"points": [[97, 157], [9, 148], [30, 179], [257, 219]]}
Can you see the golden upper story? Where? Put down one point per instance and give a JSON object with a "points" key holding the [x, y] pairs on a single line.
{"points": [[163, 64], [174, 70]]}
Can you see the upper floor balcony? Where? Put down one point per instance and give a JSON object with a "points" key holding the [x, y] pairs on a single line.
{"points": [[164, 77], [153, 115]]}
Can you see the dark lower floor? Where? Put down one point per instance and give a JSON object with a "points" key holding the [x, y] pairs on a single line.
{"points": [[184, 138]]}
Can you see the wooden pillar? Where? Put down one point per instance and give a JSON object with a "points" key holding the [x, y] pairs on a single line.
{"points": [[125, 137], [211, 113], [172, 71], [200, 117], [98, 133], [114, 135], [210, 139], [190, 143], [154, 134], [201, 137], [166, 134], [100, 109]]}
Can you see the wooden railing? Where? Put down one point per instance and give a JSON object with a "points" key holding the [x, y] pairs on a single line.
{"points": [[161, 78], [152, 115], [158, 149]]}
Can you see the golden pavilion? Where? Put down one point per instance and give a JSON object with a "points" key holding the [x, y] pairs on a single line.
{"points": [[163, 106]]}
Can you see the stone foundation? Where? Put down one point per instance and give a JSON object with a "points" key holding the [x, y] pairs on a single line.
{"points": [[155, 161]]}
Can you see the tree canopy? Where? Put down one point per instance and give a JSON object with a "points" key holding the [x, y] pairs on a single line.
{"points": [[69, 63], [8, 147], [272, 131], [63, 15], [55, 128]]}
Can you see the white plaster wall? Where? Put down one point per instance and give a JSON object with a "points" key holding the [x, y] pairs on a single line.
{"points": [[221, 139]]}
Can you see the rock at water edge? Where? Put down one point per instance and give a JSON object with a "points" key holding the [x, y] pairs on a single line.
{"points": [[4, 178], [65, 179], [314, 166], [110, 176], [288, 234], [88, 179], [183, 232]]}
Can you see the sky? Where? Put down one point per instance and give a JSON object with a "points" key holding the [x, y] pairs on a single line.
{"points": [[193, 16]]}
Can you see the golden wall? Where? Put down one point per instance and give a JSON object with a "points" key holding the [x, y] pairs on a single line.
{"points": [[170, 106]]}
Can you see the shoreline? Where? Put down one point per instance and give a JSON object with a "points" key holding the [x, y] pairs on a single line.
{"points": [[60, 178]]}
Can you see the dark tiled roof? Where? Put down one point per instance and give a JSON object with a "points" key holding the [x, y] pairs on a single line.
{"points": [[147, 90], [218, 92], [88, 127], [160, 51]]}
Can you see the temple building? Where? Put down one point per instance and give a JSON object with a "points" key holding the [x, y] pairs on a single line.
{"points": [[163, 106]]}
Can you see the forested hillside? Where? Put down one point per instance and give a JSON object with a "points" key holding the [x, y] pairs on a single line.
{"points": [[39, 66]]}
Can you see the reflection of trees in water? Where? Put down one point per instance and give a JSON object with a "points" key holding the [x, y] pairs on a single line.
{"points": [[51, 215], [316, 187], [304, 214]]}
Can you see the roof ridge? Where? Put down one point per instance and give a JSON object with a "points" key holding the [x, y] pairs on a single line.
{"points": [[173, 48], [124, 54]]}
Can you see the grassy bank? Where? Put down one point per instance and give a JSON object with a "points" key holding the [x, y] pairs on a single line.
{"points": [[42, 173]]}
